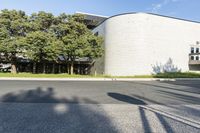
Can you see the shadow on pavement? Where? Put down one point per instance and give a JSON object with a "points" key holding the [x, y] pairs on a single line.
{"points": [[169, 92], [39, 111], [187, 99], [125, 98], [145, 122], [192, 86], [183, 86]]}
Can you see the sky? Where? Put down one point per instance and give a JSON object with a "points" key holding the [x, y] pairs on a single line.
{"points": [[185, 9]]}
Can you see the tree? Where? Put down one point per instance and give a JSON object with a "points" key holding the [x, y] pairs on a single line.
{"points": [[14, 25], [42, 47], [43, 37], [4, 35], [80, 41], [41, 21]]}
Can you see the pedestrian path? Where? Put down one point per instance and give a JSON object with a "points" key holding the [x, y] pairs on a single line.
{"points": [[98, 118]]}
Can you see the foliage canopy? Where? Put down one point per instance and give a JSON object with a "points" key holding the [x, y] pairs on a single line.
{"points": [[43, 37]]}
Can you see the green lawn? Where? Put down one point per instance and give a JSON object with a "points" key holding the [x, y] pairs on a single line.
{"points": [[30, 75], [162, 75], [178, 75]]}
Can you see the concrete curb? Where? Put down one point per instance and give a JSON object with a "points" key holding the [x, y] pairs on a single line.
{"points": [[97, 79]]}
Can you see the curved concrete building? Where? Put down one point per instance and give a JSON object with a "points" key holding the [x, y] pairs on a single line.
{"points": [[143, 43]]}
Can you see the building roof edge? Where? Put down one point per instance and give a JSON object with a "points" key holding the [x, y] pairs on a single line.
{"points": [[187, 20]]}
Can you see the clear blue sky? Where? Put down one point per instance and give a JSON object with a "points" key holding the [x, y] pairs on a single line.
{"points": [[186, 9]]}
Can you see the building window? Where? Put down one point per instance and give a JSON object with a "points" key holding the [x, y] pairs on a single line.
{"points": [[96, 34], [197, 57], [192, 50], [197, 50], [192, 57]]}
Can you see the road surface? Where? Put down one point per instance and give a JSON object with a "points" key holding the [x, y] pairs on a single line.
{"points": [[99, 106]]}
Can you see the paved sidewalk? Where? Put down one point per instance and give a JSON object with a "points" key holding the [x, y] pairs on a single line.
{"points": [[88, 118], [96, 79]]}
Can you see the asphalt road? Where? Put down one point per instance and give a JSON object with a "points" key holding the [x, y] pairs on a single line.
{"points": [[97, 106]]}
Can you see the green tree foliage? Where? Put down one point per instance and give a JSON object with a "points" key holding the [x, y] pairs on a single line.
{"points": [[41, 21], [15, 25], [78, 40], [42, 47], [42, 37], [4, 36]]}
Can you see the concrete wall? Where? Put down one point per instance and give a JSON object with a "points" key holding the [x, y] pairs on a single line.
{"points": [[139, 44], [99, 65]]}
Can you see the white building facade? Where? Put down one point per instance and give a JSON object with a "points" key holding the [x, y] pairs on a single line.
{"points": [[145, 43]]}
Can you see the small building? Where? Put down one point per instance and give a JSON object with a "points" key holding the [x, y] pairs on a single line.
{"points": [[146, 43]]}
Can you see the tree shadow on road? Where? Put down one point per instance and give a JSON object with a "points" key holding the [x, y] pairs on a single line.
{"points": [[40, 111], [126, 99], [145, 123]]}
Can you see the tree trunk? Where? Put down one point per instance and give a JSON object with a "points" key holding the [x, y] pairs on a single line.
{"points": [[68, 68], [95, 72], [53, 68], [13, 64], [59, 71], [78, 68], [44, 68], [72, 68], [34, 67], [13, 68]]}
